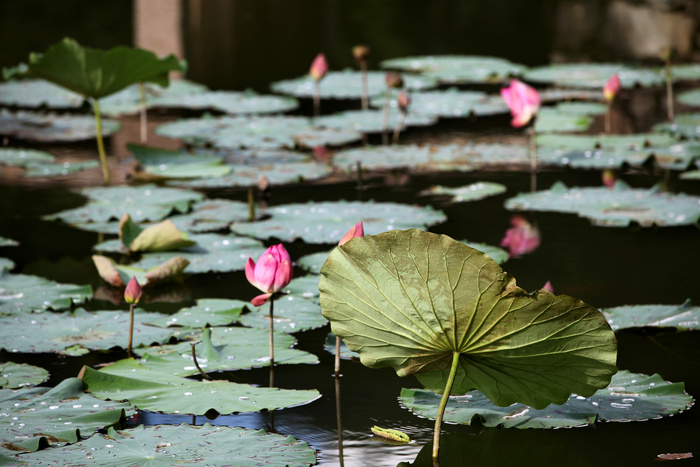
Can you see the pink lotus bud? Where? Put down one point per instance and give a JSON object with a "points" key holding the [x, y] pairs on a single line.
{"points": [[548, 287], [321, 153], [271, 274], [132, 294], [609, 178], [522, 238], [523, 102], [360, 53], [403, 101], [357, 230], [393, 80], [319, 67], [611, 88]]}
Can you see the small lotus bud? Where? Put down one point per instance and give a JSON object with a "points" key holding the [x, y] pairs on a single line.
{"points": [[393, 80], [403, 101], [360, 53], [611, 88], [609, 178], [319, 67], [132, 294]]}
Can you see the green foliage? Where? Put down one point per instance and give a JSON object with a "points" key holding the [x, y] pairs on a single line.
{"points": [[25, 293], [18, 375]]}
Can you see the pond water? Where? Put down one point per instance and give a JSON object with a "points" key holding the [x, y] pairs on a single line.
{"points": [[604, 267]]}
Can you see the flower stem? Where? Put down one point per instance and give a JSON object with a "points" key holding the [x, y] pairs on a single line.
{"points": [[143, 119], [272, 338], [669, 91], [100, 142], [317, 99], [385, 120], [131, 328], [337, 356], [533, 159], [443, 404]]}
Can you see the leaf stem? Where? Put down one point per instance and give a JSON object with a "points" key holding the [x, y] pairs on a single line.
{"points": [[100, 142], [443, 404]]}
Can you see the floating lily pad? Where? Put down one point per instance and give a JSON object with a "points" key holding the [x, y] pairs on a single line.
{"points": [[682, 317], [208, 311], [98, 330], [25, 293], [472, 192], [4, 241], [262, 157], [63, 168], [616, 207], [231, 102], [177, 164], [612, 142], [594, 75], [691, 98], [18, 375], [551, 120], [49, 128], [160, 445], [372, 121], [347, 84], [6, 265], [142, 203], [57, 416], [304, 286], [458, 69], [212, 253], [34, 93], [451, 103], [684, 125], [289, 222], [292, 314], [128, 100], [498, 254], [255, 132], [684, 72], [629, 397], [24, 157], [313, 262], [569, 94], [224, 349], [162, 392]]}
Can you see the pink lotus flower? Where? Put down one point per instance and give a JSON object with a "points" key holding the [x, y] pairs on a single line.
{"points": [[522, 238], [523, 102], [356, 231], [548, 287], [132, 294], [319, 67], [271, 274], [611, 88]]}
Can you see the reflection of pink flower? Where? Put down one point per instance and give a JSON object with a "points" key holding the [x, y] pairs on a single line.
{"points": [[523, 102], [272, 272], [356, 231], [132, 293], [611, 88], [522, 238], [319, 67]]}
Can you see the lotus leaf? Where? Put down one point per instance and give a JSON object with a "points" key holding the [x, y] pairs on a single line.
{"points": [[4, 241], [594, 75], [305, 287], [691, 98], [128, 100], [458, 69], [629, 397], [25, 293], [230, 102], [569, 94], [45, 128], [552, 120], [18, 375], [212, 253], [163, 236], [345, 353], [207, 312], [119, 275], [617, 207], [24, 157], [684, 125], [348, 84], [582, 108], [60, 415], [372, 121], [289, 222], [685, 72], [255, 132], [473, 192], [611, 142], [35, 93], [177, 164], [313, 262], [292, 314], [158, 446], [162, 392], [451, 103], [224, 349], [262, 157], [682, 317], [421, 302], [97, 330], [6, 265], [499, 255], [63, 168]]}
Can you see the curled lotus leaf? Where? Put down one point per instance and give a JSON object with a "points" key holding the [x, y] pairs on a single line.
{"points": [[169, 270], [414, 301], [6, 265], [163, 236], [45, 128], [458, 69], [471, 192]]}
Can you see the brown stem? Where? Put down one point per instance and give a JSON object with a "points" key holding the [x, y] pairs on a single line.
{"points": [[196, 363], [365, 92], [144, 114], [669, 91], [251, 204], [272, 337], [608, 119], [399, 125], [385, 120], [337, 356], [443, 404], [131, 328], [340, 424]]}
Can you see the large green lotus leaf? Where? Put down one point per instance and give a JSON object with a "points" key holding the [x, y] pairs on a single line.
{"points": [[291, 314], [161, 445], [682, 317], [212, 253], [617, 207], [162, 392], [498, 254], [450, 103], [372, 121], [411, 299], [23, 157], [34, 93], [50, 128], [207, 312], [629, 397], [313, 262], [128, 100], [142, 203], [6, 265], [60, 415], [347, 84], [177, 164], [98, 73], [327, 222], [24, 293], [472, 192], [594, 75], [450, 157], [18, 375], [552, 120], [684, 125], [458, 69], [63, 168], [304, 286], [255, 132], [96, 330], [224, 349], [4, 241], [602, 141], [119, 275]]}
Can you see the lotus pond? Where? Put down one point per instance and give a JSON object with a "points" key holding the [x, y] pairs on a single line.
{"points": [[611, 218]]}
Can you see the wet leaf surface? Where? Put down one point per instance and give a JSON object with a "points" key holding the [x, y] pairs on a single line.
{"points": [[51, 128], [16, 157], [26, 293], [291, 314], [594, 75], [683, 317], [458, 69], [18, 375], [472, 192]]}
